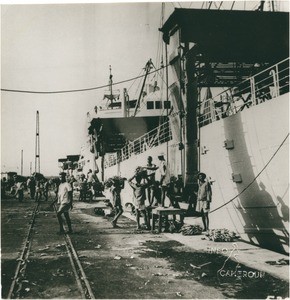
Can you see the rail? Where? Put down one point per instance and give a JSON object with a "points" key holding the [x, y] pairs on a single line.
{"points": [[263, 86], [80, 276], [153, 138], [16, 287]]}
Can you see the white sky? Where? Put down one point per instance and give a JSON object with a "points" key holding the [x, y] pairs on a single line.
{"points": [[62, 47], [52, 47]]}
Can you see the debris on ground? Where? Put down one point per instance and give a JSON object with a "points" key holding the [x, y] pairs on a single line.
{"points": [[129, 265], [191, 230], [221, 235], [43, 249], [159, 274], [174, 226], [117, 257], [279, 262], [200, 266], [179, 294], [98, 247]]}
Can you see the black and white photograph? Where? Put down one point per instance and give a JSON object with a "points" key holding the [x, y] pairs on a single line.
{"points": [[145, 150]]}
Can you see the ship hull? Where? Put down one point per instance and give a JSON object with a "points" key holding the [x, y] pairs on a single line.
{"points": [[250, 178]]}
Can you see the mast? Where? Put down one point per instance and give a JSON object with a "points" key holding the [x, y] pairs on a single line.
{"points": [[147, 70], [37, 145], [111, 84], [21, 162], [110, 94]]}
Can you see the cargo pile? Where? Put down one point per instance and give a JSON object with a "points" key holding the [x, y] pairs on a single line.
{"points": [[115, 180], [221, 235], [191, 230]]}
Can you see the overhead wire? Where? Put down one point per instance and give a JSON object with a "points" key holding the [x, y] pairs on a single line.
{"points": [[79, 90], [255, 178]]}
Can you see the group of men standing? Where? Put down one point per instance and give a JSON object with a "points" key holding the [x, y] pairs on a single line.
{"points": [[172, 187], [146, 185], [38, 187]]}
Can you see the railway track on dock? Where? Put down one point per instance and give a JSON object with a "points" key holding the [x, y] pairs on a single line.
{"points": [[17, 287]]}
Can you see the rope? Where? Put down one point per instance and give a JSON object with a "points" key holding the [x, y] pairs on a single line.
{"points": [[79, 90], [254, 178], [233, 5]]}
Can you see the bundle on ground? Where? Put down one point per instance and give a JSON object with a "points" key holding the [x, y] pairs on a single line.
{"points": [[221, 235], [191, 230]]}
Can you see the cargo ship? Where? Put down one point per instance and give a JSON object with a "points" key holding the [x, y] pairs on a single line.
{"points": [[227, 115]]}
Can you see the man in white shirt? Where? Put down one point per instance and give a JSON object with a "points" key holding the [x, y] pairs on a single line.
{"points": [[64, 200]]}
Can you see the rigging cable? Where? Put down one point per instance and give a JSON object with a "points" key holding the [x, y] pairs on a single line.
{"points": [[79, 90], [134, 81], [172, 4], [233, 5], [255, 176]]}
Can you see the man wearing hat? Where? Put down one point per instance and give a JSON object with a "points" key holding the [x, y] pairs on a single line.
{"points": [[204, 196]]}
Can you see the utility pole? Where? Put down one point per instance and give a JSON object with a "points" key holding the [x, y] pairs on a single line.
{"points": [[37, 145], [22, 162], [30, 168]]}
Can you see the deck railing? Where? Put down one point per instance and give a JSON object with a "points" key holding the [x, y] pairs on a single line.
{"points": [[266, 85], [153, 138]]}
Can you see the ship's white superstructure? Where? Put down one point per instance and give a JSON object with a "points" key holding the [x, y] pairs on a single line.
{"points": [[237, 135]]}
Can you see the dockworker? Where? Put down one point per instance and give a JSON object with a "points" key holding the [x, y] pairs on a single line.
{"points": [[19, 189], [39, 189], [94, 182], [172, 192], [71, 179], [90, 177], [164, 177], [116, 188], [82, 187], [31, 184], [151, 190], [64, 200], [139, 190], [45, 189], [204, 197]]}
